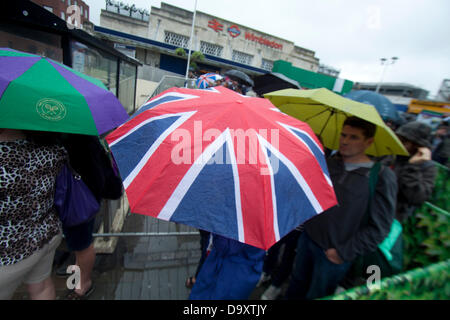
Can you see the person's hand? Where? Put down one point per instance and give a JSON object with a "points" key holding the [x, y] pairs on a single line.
{"points": [[333, 256], [422, 154]]}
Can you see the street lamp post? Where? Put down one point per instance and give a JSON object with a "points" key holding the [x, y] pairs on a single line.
{"points": [[190, 45], [385, 63]]}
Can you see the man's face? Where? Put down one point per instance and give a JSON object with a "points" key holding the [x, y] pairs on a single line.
{"points": [[353, 142]]}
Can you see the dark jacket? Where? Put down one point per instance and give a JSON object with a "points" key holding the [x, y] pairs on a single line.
{"points": [[89, 159], [342, 226], [442, 152], [415, 185]]}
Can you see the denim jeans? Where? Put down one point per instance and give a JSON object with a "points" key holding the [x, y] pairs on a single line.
{"points": [[313, 275]]}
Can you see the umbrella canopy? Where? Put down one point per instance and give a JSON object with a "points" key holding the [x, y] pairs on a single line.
{"points": [[37, 93], [326, 111], [273, 81], [385, 108], [222, 162], [240, 77], [205, 80]]}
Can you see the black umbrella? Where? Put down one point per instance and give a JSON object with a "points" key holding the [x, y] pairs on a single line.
{"points": [[239, 76], [272, 82]]}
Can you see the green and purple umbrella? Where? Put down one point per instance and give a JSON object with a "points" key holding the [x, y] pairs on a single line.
{"points": [[37, 93]]}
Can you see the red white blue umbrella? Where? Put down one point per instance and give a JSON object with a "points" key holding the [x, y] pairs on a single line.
{"points": [[206, 80], [222, 162]]}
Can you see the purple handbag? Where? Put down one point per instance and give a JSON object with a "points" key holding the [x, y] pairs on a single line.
{"points": [[74, 202]]}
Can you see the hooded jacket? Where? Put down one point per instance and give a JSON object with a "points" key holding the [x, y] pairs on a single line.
{"points": [[415, 185], [342, 227], [415, 180]]}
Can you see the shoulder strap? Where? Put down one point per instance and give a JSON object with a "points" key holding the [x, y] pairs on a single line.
{"points": [[373, 179]]}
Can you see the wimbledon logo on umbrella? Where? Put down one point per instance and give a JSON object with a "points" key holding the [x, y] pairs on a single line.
{"points": [[51, 109]]}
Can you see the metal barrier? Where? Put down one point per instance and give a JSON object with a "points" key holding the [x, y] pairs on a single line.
{"points": [[113, 214], [114, 217], [168, 82]]}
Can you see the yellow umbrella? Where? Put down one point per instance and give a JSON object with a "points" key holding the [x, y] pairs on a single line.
{"points": [[326, 111]]}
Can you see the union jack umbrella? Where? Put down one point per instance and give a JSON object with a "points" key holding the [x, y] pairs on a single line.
{"points": [[205, 80], [223, 162]]}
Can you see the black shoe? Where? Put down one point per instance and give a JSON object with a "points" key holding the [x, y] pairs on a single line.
{"points": [[62, 270], [72, 295]]}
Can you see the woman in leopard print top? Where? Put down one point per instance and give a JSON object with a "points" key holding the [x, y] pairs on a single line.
{"points": [[28, 219]]}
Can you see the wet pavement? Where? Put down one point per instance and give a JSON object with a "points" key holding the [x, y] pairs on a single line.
{"points": [[141, 267], [144, 267]]}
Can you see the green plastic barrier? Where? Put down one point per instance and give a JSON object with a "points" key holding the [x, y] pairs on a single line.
{"points": [[430, 283], [426, 237], [441, 192]]}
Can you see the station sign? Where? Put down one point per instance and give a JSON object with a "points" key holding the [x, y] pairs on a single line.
{"points": [[234, 31]]}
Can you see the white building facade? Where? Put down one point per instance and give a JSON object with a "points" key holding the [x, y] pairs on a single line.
{"points": [[221, 41]]}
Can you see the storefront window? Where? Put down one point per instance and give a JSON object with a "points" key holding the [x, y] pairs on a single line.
{"points": [[31, 41], [242, 57], [95, 63], [266, 64], [127, 85]]}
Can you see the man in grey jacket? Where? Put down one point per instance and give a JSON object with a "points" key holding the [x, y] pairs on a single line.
{"points": [[334, 238]]}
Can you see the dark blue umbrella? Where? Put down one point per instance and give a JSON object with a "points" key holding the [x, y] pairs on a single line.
{"points": [[385, 108]]}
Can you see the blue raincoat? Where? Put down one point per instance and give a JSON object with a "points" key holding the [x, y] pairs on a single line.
{"points": [[230, 272]]}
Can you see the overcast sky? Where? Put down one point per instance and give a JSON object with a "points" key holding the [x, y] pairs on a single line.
{"points": [[350, 35]]}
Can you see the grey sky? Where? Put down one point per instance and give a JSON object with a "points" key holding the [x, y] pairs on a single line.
{"points": [[351, 35]]}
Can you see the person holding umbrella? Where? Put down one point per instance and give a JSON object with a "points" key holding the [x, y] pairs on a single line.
{"points": [[90, 160], [332, 240], [30, 230], [40, 94], [238, 81], [237, 261]]}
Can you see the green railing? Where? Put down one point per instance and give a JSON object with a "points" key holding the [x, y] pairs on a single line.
{"points": [[430, 283], [426, 240]]}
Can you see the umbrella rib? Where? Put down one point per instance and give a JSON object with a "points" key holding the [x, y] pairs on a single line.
{"points": [[336, 126], [324, 126], [317, 114]]}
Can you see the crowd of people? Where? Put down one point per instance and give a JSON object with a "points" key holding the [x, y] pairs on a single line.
{"points": [[332, 251], [327, 253]]}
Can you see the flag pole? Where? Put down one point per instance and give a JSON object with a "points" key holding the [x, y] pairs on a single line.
{"points": [[190, 46]]}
